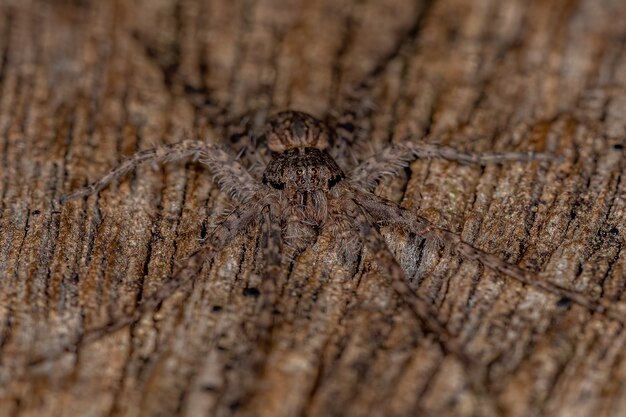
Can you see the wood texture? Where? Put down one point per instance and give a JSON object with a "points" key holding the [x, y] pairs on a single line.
{"points": [[85, 83]]}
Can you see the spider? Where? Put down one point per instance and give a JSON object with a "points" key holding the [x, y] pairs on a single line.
{"points": [[304, 190]]}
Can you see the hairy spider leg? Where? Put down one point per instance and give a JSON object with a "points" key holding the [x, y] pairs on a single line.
{"points": [[271, 249], [391, 270], [228, 173], [256, 361], [385, 212], [392, 159], [234, 224], [358, 105]]}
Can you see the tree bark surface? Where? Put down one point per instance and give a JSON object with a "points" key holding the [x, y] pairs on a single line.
{"points": [[84, 84]]}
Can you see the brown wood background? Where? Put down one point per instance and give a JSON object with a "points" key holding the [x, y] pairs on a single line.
{"points": [[85, 83]]}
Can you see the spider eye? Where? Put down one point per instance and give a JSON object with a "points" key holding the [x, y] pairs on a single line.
{"points": [[299, 171]]}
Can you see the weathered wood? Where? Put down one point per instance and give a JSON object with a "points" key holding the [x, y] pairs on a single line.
{"points": [[85, 83]]}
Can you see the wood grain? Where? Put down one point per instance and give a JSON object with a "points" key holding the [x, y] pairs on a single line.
{"points": [[85, 83]]}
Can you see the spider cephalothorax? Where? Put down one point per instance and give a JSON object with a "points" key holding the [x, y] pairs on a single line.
{"points": [[300, 161], [304, 176], [302, 170]]}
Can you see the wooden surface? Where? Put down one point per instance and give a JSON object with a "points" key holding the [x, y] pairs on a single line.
{"points": [[85, 83]]}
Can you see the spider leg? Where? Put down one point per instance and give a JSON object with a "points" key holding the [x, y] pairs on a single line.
{"points": [[387, 212], [271, 249], [255, 363], [235, 223], [392, 271], [228, 173], [352, 116], [394, 158]]}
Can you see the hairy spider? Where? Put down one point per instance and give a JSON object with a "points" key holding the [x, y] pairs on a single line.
{"points": [[304, 190]]}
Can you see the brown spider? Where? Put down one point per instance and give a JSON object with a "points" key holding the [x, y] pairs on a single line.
{"points": [[302, 191]]}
